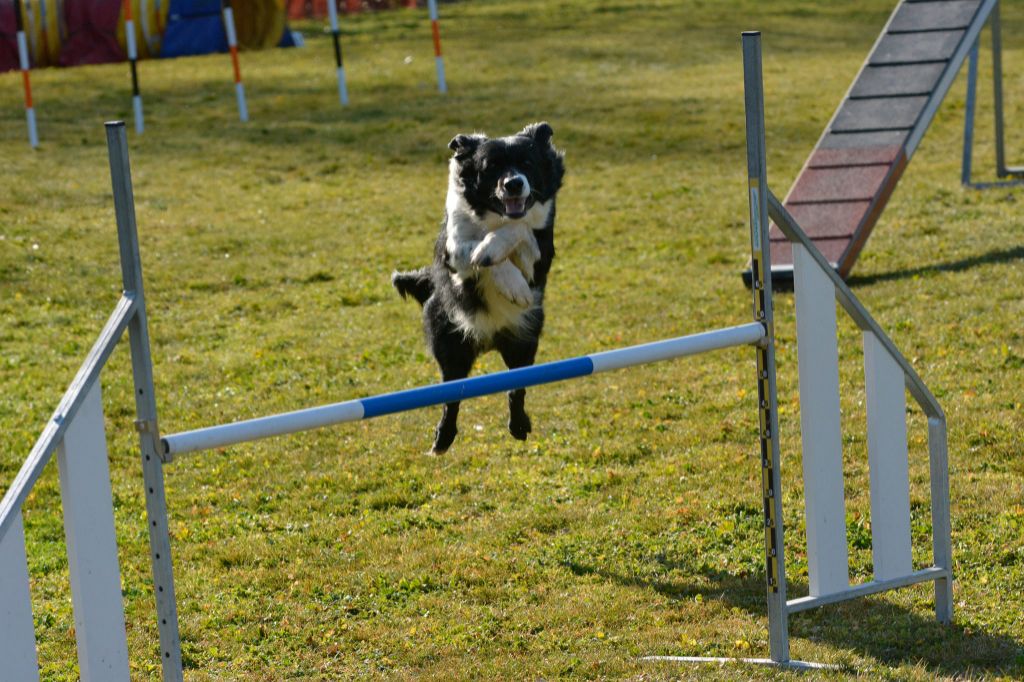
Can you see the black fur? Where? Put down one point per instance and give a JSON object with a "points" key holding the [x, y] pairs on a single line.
{"points": [[466, 311]]}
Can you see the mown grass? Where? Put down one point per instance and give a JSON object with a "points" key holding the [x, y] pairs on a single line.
{"points": [[629, 523]]}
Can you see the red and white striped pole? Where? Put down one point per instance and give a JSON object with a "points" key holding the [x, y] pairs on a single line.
{"points": [[30, 112], [133, 57], [332, 12], [229, 27], [442, 86]]}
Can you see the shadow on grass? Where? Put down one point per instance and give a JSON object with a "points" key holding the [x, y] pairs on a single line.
{"points": [[989, 258], [870, 626]]}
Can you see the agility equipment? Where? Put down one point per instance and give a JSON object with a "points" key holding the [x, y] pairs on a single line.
{"points": [[229, 29], [353, 6], [26, 79], [332, 10], [442, 84], [887, 376], [847, 180], [75, 432], [1002, 169], [129, 34]]}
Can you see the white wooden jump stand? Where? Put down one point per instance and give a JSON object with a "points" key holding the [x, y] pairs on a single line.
{"points": [[76, 434]]}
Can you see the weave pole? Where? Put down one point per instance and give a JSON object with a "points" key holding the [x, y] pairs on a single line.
{"points": [[442, 85], [133, 58], [30, 112], [332, 11], [229, 28]]}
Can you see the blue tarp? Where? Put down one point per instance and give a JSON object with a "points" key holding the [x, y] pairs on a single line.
{"points": [[193, 27], [196, 27]]}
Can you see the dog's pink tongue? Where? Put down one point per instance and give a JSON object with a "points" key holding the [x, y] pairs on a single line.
{"points": [[515, 205]]}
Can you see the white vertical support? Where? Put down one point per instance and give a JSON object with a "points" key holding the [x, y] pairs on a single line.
{"points": [[884, 384], [820, 428], [92, 545], [17, 632]]}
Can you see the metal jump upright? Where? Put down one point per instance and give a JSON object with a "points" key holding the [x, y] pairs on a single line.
{"points": [[887, 376]]}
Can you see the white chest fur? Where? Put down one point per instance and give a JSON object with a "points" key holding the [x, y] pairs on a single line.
{"points": [[464, 233]]}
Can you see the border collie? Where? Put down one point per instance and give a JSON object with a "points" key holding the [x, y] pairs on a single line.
{"points": [[485, 288]]}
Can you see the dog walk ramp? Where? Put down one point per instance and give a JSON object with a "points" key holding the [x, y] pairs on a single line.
{"points": [[848, 178]]}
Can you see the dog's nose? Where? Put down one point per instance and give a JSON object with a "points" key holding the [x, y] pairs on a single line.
{"points": [[514, 184]]}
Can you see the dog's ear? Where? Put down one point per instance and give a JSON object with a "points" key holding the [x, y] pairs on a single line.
{"points": [[465, 145], [540, 132]]}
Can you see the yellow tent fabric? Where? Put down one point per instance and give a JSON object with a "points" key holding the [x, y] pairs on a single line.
{"points": [[259, 23], [150, 17], [41, 21]]}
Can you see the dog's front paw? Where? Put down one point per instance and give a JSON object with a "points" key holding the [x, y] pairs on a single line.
{"points": [[489, 252], [511, 284]]}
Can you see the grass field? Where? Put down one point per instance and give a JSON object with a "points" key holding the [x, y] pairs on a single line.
{"points": [[629, 523]]}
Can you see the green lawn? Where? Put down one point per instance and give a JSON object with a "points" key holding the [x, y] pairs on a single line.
{"points": [[630, 522]]}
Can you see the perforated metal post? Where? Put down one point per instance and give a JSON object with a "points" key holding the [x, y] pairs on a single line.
{"points": [[771, 487], [145, 405]]}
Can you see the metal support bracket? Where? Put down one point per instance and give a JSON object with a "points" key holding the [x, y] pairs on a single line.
{"points": [[1002, 170]]}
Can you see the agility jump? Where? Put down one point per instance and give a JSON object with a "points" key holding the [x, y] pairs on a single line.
{"points": [[75, 432]]}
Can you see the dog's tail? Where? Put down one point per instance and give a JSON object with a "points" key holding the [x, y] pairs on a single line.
{"points": [[416, 283]]}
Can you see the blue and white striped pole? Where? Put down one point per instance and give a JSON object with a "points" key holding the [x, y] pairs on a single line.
{"points": [[332, 12], [462, 389]]}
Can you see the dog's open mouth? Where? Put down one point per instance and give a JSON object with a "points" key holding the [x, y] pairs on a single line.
{"points": [[515, 207]]}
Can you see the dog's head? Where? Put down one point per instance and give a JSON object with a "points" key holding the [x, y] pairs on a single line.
{"points": [[507, 175]]}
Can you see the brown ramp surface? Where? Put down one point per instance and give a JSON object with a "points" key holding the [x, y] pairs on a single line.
{"points": [[848, 178]]}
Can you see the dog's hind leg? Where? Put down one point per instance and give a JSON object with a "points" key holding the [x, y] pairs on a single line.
{"points": [[455, 357], [518, 352]]}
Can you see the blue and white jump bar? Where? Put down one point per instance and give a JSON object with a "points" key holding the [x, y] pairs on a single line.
{"points": [[462, 389]]}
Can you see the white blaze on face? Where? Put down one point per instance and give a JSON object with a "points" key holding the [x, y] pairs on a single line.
{"points": [[513, 191], [525, 192]]}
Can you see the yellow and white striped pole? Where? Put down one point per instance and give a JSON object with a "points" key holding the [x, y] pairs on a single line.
{"points": [[133, 57], [229, 27], [30, 112]]}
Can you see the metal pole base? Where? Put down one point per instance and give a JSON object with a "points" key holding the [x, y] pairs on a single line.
{"points": [[785, 665]]}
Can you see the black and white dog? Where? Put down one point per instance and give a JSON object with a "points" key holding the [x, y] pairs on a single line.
{"points": [[485, 288]]}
